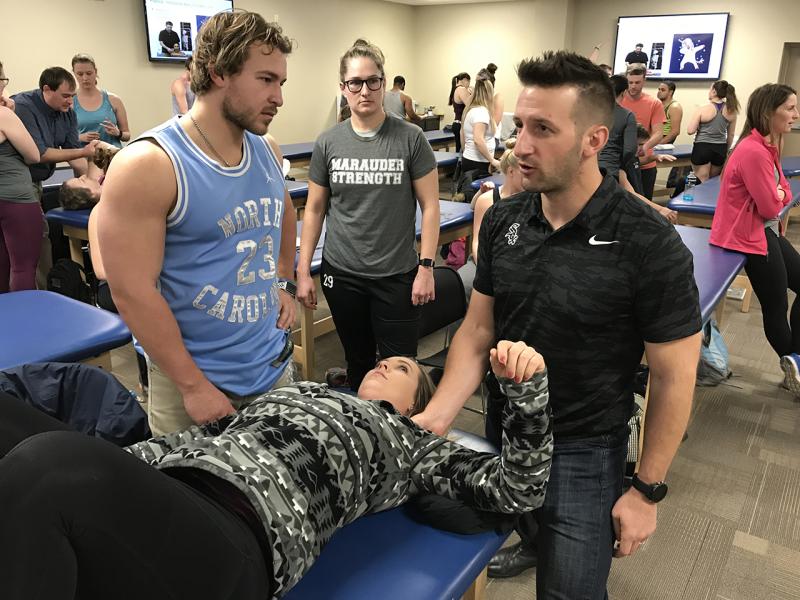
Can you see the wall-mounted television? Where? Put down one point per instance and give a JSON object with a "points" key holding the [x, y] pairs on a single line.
{"points": [[172, 26], [673, 46]]}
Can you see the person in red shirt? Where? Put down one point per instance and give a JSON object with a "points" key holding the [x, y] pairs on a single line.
{"points": [[752, 194], [649, 113]]}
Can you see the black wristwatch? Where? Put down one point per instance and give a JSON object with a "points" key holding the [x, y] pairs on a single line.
{"points": [[426, 262], [288, 286], [655, 492]]}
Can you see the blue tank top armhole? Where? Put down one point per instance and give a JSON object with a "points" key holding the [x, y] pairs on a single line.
{"points": [[182, 197], [270, 153]]}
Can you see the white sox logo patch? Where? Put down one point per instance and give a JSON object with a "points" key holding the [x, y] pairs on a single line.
{"points": [[512, 236]]}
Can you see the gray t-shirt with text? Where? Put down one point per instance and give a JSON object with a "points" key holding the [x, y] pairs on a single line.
{"points": [[372, 207]]}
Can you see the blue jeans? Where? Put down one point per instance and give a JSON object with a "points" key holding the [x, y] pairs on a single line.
{"points": [[576, 535]]}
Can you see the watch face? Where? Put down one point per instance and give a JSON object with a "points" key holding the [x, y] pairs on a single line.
{"points": [[659, 492]]}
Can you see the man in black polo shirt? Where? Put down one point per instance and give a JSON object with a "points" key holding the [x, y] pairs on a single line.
{"points": [[169, 41], [590, 277], [636, 56]]}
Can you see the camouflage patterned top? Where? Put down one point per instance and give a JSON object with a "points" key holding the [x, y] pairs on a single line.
{"points": [[311, 460]]}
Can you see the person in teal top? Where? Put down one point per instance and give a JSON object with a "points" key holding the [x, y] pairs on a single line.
{"points": [[101, 114]]}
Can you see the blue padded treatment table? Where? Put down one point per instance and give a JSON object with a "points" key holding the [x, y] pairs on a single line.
{"points": [[439, 139], [700, 211], [679, 151], [391, 556], [791, 166], [39, 326], [446, 161], [75, 225], [715, 268], [455, 221], [299, 155]]}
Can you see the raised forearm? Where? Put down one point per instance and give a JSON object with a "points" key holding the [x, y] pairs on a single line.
{"points": [[55, 155], [513, 482]]}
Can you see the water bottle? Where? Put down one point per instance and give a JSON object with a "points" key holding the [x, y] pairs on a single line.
{"points": [[688, 191]]}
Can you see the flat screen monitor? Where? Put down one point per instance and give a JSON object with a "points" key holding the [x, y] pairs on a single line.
{"points": [[174, 24], [673, 46]]}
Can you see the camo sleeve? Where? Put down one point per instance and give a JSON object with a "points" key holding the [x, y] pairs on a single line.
{"points": [[513, 482]]}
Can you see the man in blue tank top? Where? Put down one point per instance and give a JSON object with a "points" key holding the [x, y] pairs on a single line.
{"points": [[197, 233]]}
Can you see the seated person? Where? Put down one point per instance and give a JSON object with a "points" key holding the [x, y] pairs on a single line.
{"points": [[84, 192], [260, 492], [485, 198]]}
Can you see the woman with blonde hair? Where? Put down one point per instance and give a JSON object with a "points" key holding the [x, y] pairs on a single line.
{"points": [[714, 123], [478, 128], [101, 114]]}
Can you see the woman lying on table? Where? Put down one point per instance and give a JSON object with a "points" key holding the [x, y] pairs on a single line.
{"points": [[240, 508], [83, 192]]}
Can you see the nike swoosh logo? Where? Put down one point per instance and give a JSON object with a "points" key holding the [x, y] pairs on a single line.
{"points": [[593, 241]]}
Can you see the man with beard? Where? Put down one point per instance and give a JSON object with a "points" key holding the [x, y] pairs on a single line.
{"points": [[605, 279], [197, 233]]}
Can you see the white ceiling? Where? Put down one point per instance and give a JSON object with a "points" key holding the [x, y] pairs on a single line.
{"points": [[433, 2]]}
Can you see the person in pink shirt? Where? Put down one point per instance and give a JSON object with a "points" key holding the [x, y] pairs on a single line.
{"points": [[752, 194], [649, 113]]}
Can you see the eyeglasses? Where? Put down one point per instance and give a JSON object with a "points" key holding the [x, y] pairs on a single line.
{"points": [[5, 80], [355, 85]]}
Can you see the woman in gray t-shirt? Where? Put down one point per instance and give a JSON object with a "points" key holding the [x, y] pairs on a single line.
{"points": [[366, 177], [21, 221]]}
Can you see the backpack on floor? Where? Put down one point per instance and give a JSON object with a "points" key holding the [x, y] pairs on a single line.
{"points": [[67, 278], [713, 366]]}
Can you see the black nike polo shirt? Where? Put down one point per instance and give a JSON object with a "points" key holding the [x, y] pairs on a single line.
{"points": [[587, 297]]}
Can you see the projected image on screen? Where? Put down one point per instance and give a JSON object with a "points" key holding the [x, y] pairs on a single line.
{"points": [[676, 46], [690, 52], [172, 26]]}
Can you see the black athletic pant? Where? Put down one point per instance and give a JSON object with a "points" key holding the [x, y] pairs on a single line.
{"points": [[771, 276], [82, 519], [475, 165], [648, 182], [457, 133], [370, 315]]}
